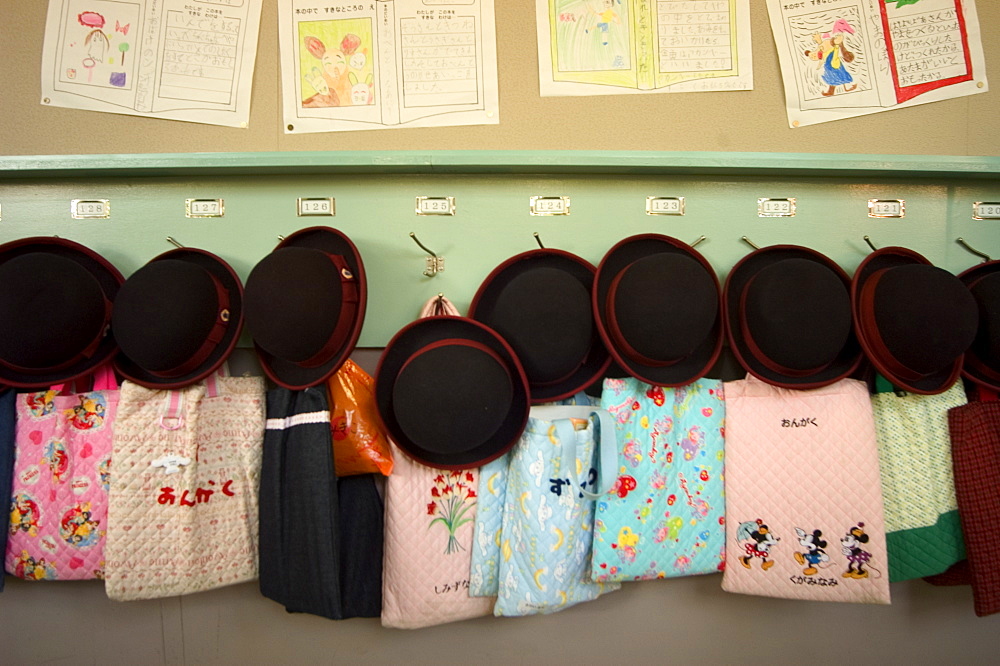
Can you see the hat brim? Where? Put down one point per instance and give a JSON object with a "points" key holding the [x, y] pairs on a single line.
{"points": [[230, 281], [417, 335], [865, 325], [292, 375], [969, 277], [110, 280], [483, 303], [624, 253], [846, 362]]}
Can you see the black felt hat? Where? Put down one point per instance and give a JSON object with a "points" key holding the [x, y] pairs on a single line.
{"points": [[305, 305], [656, 304], [915, 321], [177, 319], [982, 360], [55, 311], [540, 303], [788, 317], [451, 392]]}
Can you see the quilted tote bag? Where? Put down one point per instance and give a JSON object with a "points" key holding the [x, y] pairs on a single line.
{"points": [[320, 536], [803, 498], [182, 514], [666, 515], [7, 411], [59, 500], [556, 472], [923, 530], [484, 579], [429, 516], [975, 442]]}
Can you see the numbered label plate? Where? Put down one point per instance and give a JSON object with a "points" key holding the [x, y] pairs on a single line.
{"points": [[886, 208], [986, 210], [204, 207], [664, 205], [435, 206], [775, 207], [550, 205], [90, 209], [309, 206]]}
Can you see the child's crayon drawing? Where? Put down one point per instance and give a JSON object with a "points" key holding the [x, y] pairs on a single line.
{"points": [[96, 43], [335, 64]]}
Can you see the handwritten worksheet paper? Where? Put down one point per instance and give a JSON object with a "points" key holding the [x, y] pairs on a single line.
{"points": [[186, 60], [846, 58], [616, 47], [386, 64]]}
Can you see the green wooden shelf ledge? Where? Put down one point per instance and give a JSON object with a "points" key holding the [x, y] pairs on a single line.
{"points": [[500, 161]]}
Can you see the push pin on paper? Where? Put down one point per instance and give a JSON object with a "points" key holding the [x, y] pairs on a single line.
{"points": [[171, 463]]}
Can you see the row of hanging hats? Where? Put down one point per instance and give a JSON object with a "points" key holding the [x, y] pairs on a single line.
{"points": [[65, 311], [549, 324], [654, 308]]}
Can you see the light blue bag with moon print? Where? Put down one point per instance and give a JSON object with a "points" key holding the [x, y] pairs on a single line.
{"points": [[554, 476], [485, 569]]}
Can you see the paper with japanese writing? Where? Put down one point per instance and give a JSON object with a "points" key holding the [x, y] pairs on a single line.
{"points": [[386, 64], [846, 58], [615, 47], [188, 60]]}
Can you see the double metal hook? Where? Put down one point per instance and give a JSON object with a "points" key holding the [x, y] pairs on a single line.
{"points": [[434, 264]]}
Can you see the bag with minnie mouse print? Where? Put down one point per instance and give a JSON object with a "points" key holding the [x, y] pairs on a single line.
{"points": [[804, 513], [59, 497]]}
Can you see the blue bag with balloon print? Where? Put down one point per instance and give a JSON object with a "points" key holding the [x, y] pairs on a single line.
{"points": [[665, 516]]}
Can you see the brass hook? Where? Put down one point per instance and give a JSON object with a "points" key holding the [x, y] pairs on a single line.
{"points": [[749, 242], [170, 239], [435, 264], [870, 244], [538, 240], [281, 239], [961, 241], [701, 238]]}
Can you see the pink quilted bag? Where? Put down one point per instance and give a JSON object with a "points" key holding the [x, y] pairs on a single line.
{"points": [[184, 488], [59, 498], [803, 496], [429, 520]]}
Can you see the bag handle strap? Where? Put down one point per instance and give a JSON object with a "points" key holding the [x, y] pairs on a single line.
{"points": [[104, 378], [606, 443], [211, 382]]}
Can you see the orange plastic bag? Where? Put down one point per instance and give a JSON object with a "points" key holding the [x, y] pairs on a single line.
{"points": [[359, 445]]}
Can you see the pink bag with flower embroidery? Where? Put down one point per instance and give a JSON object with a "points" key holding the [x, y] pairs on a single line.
{"points": [[59, 497], [429, 519]]}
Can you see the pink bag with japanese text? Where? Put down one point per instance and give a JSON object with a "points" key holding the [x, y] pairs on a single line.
{"points": [[183, 501], [59, 497]]}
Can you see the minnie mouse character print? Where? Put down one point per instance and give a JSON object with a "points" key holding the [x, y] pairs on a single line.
{"points": [[813, 555], [856, 556], [757, 540]]}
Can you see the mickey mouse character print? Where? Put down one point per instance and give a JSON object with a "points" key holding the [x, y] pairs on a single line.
{"points": [[812, 554], [857, 557], [756, 539]]}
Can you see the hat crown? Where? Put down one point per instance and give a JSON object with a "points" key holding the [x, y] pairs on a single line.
{"points": [[925, 316], [545, 314], [665, 284], [798, 312], [292, 302], [986, 345], [472, 382], [51, 309], [164, 312]]}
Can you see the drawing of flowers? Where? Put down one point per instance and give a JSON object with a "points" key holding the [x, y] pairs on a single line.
{"points": [[453, 497]]}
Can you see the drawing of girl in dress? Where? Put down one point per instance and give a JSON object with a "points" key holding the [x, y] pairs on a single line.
{"points": [[833, 55]]}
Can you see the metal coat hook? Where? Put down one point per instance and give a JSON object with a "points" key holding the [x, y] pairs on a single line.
{"points": [[434, 263], [871, 244], [172, 241], [538, 240], [961, 241], [749, 242], [701, 238], [281, 239]]}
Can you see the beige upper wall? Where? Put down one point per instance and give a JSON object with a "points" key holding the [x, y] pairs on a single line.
{"points": [[723, 121]]}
